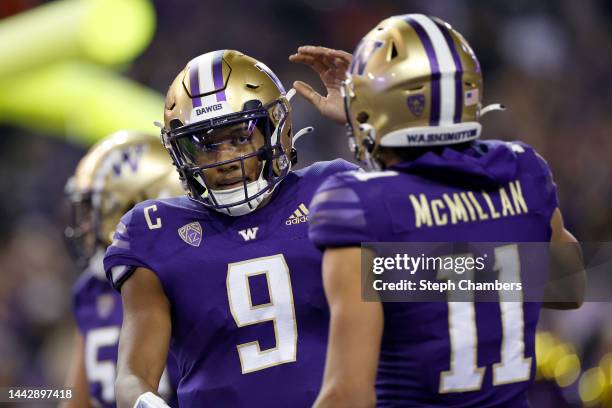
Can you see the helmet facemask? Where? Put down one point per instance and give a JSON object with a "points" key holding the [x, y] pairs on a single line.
{"points": [[80, 234], [361, 136], [84, 233], [233, 162]]}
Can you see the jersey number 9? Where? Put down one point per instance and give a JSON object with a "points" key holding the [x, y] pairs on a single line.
{"points": [[279, 310]]}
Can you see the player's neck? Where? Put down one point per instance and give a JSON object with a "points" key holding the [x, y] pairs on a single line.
{"points": [[387, 157]]}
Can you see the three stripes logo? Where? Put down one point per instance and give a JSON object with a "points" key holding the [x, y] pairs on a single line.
{"points": [[300, 215]]}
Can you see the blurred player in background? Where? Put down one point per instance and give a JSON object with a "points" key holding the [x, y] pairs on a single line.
{"points": [[226, 277], [413, 100], [118, 172]]}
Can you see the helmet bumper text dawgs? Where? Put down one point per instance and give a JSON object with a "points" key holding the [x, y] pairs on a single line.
{"points": [[414, 81], [216, 92]]}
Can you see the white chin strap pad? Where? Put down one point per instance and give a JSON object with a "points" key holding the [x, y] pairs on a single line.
{"points": [[432, 135], [232, 195], [150, 400]]}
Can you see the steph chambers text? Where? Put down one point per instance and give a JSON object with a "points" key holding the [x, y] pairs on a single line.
{"points": [[429, 286]]}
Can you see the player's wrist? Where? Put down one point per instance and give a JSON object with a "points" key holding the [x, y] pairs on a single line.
{"points": [[150, 400]]}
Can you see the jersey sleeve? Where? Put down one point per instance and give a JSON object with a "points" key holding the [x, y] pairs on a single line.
{"points": [[337, 215], [123, 256], [544, 178], [550, 188]]}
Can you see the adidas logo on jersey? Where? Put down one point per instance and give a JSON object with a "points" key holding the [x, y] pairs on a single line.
{"points": [[300, 215]]}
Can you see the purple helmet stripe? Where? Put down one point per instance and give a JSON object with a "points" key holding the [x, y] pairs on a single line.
{"points": [[217, 72], [194, 86], [458, 72], [434, 115]]}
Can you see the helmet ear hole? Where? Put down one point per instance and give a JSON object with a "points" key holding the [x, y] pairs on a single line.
{"points": [[362, 117], [392, 52], [252, 104], [175, 124]]}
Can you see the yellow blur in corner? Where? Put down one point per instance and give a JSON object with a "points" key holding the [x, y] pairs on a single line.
{"points": [[558, 361], [56, 73]]}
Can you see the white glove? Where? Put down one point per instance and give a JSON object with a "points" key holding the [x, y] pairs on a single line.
{"points": [[150, 400]]}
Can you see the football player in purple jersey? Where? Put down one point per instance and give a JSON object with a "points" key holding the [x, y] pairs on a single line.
{"points": [[119, 171], [226, 278], [413, 102]]}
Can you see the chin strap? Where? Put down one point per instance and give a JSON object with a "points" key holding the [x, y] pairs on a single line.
{"points": [[491, 108], [308, 129], [368, 144], [290, 94], [302, 132]]}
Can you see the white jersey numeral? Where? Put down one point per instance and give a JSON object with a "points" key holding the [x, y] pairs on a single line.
{"points": [[280, 310], [464, 374], [105, 371], [514, 367]]}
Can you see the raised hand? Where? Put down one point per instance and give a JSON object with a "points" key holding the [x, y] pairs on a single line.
{"points": [[331, 65]]}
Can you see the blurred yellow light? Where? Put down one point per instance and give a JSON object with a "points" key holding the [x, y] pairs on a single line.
{"points": [[80, 100], [606, 364], [567, 370], [592, 385], [103, 31], [544, 343], [115, 31], [552, 357]]}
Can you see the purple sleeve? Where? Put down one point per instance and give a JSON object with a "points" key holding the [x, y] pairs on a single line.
{"points": [[337, 217], [545, 182], [550, 188], [122, 256]]}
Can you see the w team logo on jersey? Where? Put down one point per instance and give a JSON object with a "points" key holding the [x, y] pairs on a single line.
{"points": [[300, 215], [191, 233]]}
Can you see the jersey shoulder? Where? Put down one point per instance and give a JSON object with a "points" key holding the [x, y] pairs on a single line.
{"points": [[529, 160], [86, 291], [533, 165], [84, 286], [342, 212], [145, 234], [149, 216], [323, 169]]}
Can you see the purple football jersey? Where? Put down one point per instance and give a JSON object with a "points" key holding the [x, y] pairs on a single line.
{"points": [[249, 316], [98, 313], [457, 354]]}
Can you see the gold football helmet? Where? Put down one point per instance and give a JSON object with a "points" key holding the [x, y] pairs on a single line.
{"points": [[115, 174], [414, 81], [216, 93]]}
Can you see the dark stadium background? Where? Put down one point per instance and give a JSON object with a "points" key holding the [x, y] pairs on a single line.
{"points": [[549, 62]]}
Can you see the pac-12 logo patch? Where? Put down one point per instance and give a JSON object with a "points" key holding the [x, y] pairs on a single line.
{"points": [[191, 233], [416, 104]]}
